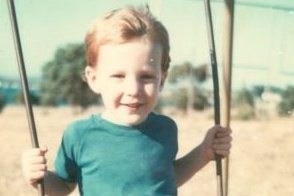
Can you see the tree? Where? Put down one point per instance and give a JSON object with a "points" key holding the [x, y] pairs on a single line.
{"points": [[244, 96], [2, 102], [258, 90], [244, 102], [62, 78], [180, 99], [34, 98], [187, 71], [286, 106], [189, 96]]}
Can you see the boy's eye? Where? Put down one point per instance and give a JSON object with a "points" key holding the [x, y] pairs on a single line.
{"points": [[147, 77], [118, 76]]}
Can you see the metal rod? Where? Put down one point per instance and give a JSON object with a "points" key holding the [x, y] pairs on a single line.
{"points": [[227, 78], [24, 82], [213, 62]]}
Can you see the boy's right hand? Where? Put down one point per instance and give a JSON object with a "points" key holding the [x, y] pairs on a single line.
{"points": [[34, 165]]}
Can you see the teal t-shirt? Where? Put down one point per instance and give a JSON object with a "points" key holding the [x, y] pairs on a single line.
{"points": [[107, 159]]}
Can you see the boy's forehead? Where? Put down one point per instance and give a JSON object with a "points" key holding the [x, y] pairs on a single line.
{"points": [[137, 50], [129, 56]]}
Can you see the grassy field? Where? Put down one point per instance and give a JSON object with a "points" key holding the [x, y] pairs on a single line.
{"points": [[261, 161]]}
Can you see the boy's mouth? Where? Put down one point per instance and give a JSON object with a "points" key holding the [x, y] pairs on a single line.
{"points": [[132, 106]]}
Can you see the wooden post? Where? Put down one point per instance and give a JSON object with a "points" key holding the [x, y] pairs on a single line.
{"points": [[227, 76]]}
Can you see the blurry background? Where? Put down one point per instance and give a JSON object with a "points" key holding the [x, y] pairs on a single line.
{"points": [[52, 35]]}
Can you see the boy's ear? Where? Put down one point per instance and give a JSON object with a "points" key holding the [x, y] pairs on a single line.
{"points": [[91, 77]]}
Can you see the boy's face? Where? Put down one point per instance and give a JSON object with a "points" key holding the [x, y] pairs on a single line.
{"points": [[129, 78]]}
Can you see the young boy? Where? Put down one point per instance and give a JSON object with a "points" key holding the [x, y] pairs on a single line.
{"points": [[127, 150]]}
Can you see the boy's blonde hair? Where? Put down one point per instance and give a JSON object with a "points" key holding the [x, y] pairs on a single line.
{"points": [[122, 25]]}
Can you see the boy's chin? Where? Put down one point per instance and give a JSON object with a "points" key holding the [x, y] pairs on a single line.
{"points": [[132, 120], [127, 119]]}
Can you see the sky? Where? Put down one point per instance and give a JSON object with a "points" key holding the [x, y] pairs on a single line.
{"points": [[263, 34]]}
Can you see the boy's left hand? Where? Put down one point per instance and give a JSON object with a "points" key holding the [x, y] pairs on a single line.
{"points": [[217, 141]]}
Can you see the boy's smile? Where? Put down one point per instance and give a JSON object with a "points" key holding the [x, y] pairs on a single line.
{"points": [[129, 78], [132, 106]]}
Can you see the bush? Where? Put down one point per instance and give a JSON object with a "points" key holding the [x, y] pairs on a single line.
{"points": [[183, 100], [2, 102], [286, 106], [200, 101], [180, 99], [244, 96], [245, 112], [19, 98], [244, 102]]}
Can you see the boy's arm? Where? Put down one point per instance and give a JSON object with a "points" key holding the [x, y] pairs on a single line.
{"points": [[56, 186], [217, 141], [190, 164], [34, 166]]}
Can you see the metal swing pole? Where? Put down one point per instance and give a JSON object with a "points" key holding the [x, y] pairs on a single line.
{"points": [[213, 61], [24, 83]]}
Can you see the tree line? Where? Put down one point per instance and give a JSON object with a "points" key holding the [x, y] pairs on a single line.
{"points": [[62, 84]]}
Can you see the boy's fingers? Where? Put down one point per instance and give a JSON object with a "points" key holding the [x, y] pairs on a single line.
{"points": [[222, 132], [32, 152], [222, 149], [33, 156], [43, 150], [223, 129], [224, 146], [224, 139], [37, 176], [36, 151], [38, 167], [37, 160], [223, 153]]}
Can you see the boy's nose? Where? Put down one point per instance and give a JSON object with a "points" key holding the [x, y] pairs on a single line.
{"points": [[132, 87]]}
